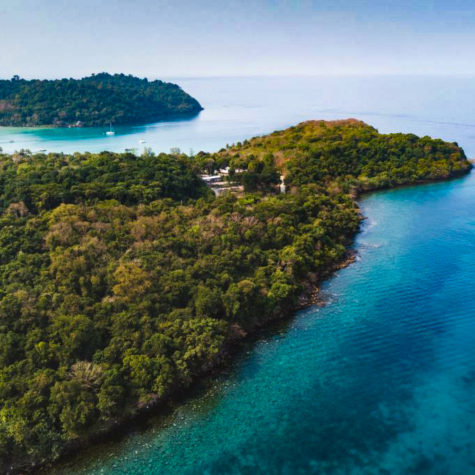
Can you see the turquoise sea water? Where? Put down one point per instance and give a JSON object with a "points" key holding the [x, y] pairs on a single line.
{"points": [[380, 380]]}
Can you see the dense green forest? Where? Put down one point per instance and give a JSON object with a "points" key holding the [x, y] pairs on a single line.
{"points": [[123, 278], [96, 100], [346, 153]]}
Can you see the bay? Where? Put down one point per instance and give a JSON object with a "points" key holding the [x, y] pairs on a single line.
{"points": [[237, 108]]}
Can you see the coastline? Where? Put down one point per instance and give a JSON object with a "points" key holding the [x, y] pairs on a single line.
{"points": [[119, 428], [309, 296], [164, 118]]}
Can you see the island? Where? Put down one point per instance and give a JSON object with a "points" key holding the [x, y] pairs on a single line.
{"points": [[97, 100], [125, 278]]}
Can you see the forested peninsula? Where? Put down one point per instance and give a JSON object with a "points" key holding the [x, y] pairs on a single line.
{"points": [[97, 100], [124, 278]]}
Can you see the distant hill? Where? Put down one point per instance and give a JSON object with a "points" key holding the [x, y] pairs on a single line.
{"points": [[96, 100]]}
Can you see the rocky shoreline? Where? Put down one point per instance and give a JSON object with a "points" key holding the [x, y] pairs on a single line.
{"points": [[309, 297]]}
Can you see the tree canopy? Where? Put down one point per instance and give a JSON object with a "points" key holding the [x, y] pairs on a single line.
{"points": [[345, 152], [96, 100], [123, 278]]}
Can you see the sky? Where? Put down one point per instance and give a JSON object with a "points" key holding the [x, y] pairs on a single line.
{"points": [[190, 38]]}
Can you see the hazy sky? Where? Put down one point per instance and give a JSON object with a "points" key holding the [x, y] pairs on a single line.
{"points": [[160, 38]]}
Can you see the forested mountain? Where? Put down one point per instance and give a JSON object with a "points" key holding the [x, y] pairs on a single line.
{"points": [[96, 100], [123, 278], [346, 152]]}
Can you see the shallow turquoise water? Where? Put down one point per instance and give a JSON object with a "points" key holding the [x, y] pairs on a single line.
{"points": [[239, 108], [381, 380]]}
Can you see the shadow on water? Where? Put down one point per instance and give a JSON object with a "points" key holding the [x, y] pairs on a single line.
{"points": [[78, 133]]}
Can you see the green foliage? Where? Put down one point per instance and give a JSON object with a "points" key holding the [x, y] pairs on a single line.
{"points": [[91, 101], [42, 182], [123, 279], [349, 153]]}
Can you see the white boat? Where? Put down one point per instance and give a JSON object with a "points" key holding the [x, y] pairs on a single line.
{"points": [[110, 131], [142, 141]]}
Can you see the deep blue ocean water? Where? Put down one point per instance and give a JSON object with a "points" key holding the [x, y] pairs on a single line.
{"points": [[380, 380]]}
